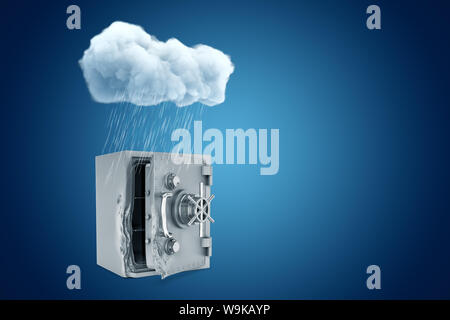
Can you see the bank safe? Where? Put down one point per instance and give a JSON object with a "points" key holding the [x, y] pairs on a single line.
{"points": [[153, 213]]}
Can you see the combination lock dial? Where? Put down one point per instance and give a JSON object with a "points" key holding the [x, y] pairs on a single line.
{"points": [[192, 209]]}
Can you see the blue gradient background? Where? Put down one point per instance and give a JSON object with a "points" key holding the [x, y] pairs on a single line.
{"points": [[364, 149]]}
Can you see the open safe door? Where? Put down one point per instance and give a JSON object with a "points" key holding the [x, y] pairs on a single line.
{"points": [[177, 215]]}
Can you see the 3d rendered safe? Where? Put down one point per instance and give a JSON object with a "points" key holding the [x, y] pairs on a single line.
{"points": [[153, 213]]}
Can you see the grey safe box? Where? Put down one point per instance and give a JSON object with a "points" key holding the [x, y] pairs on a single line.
{"points": [[153, 213]]}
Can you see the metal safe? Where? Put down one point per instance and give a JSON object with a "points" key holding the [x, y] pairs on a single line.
{"points": [[153, 213]]}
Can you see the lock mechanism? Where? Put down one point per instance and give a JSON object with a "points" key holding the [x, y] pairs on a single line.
{"points": [[193, 209], [188, 209]]}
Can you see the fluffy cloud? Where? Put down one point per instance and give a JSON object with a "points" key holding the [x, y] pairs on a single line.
{"points": [[126, 64]]}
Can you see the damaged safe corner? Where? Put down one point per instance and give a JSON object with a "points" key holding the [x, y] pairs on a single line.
{"points": [[153, 215]]}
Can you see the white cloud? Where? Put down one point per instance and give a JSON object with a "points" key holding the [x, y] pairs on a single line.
{"points": [[126, 64]]}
